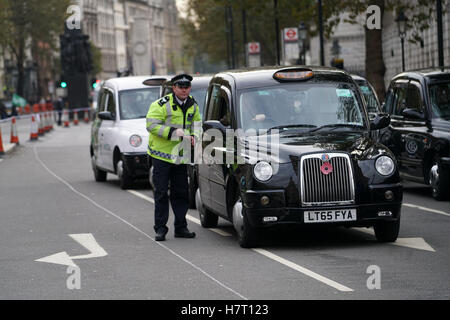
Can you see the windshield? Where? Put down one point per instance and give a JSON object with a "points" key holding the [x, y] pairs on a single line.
{"points": [[369, 95], [440, 99], [301, 106], [134, 104], [199, 96]]}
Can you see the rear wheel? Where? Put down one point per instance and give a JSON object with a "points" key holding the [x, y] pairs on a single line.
{"points": [[387, 231], [126, 180]]}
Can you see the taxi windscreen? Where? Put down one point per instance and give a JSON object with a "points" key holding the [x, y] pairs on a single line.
{"points": [[313, 106], [440, 99], [134, 104]]}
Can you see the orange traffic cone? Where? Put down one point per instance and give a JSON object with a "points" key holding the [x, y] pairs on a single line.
{"points": [[75, 118], [50, 120], [40, 119], [34, 129], [66, 118], [2, 151], [14, 136], [86, 116]]}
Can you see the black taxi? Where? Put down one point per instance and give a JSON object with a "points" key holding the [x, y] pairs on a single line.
{"points": [[419, 133], [295, 149]]}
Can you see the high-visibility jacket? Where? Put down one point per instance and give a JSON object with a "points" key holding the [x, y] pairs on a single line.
{"points": [[164, 116]]}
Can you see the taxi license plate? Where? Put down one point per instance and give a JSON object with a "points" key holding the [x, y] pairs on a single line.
{"points": [[330, 216]]}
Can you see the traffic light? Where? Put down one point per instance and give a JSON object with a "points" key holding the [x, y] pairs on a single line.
{"points": [[63, 84], [94, 83]]}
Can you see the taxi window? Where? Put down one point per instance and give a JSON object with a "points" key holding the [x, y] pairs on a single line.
{"points": [[413, 97], [369, 95], [315, 104], [440, 99], [134, 104], [111, 104]]}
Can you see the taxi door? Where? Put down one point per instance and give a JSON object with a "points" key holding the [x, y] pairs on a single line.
{"points": [[409, 130], [106, 135]]}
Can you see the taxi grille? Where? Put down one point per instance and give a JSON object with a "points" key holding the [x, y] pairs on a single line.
{"points": [[334, 188]]}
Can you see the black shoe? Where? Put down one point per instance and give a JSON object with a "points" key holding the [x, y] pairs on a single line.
{"points": [[185, 233], [160, 236]]}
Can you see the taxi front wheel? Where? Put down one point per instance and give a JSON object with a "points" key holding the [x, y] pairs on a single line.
{"points": [[387, 231], [99, 175], [247, 235], [126, 181], [439, 185]]}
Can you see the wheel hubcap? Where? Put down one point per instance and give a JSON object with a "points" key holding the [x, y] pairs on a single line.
{"points": [[434, 176], [120, 169], [238, 218]]}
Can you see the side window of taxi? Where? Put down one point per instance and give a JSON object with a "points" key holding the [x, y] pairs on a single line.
{"points": [[414, 97], [111, 107], [399, 102], [220, 108]]}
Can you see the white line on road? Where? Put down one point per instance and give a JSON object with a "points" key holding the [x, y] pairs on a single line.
{"points": [[303, 270], [270, 255], [68, 185], [426, 209]]}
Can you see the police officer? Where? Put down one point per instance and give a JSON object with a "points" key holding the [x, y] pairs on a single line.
{"points": [[173, 121]]}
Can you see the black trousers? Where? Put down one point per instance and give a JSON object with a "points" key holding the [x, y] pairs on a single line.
{"points": [[163, 173]]}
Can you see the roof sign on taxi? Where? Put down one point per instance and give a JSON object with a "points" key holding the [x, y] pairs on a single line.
{"points": [[293, 75]]}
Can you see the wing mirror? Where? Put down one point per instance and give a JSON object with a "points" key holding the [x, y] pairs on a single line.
{"points": [[106, 115], [214, 124], [380, 121], [409, 113]]}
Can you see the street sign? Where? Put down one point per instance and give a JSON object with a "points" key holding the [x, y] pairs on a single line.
{"points": [[253, 48], [290, 34]]}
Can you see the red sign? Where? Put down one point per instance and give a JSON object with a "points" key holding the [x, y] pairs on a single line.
{"points": [[253, 48], [290, 34]]}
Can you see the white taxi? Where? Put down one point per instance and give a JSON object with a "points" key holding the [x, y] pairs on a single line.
{"points": [[118, 135]]}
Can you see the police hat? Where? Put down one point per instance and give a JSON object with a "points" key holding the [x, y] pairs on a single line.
{"points": [[181, 79]]}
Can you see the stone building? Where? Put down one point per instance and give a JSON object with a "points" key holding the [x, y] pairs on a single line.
{"points": [[351, 40]]}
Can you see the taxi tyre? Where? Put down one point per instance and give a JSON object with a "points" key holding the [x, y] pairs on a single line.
{"points": [[99, 175], [439, 185], [207, 218], [387, 231], [247, 235], [126, 180]]}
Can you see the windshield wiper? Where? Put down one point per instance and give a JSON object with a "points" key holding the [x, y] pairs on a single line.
{"points": [[334, 126], [291, 126]]}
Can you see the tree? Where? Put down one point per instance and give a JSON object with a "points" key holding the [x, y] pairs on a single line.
{"points": [[26, 23], [419, 12], [205, 27]]}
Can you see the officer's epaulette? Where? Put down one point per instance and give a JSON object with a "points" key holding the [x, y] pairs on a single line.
{"points": [[163, 100], [195, 102]]}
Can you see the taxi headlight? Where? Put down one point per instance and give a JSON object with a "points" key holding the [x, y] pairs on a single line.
{"points": [[385, 165], [262, 171], [135, 140]]}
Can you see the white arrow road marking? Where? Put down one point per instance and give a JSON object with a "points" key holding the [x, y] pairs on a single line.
{"points": [[58, 258], [414, 243], [87, 240]]}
